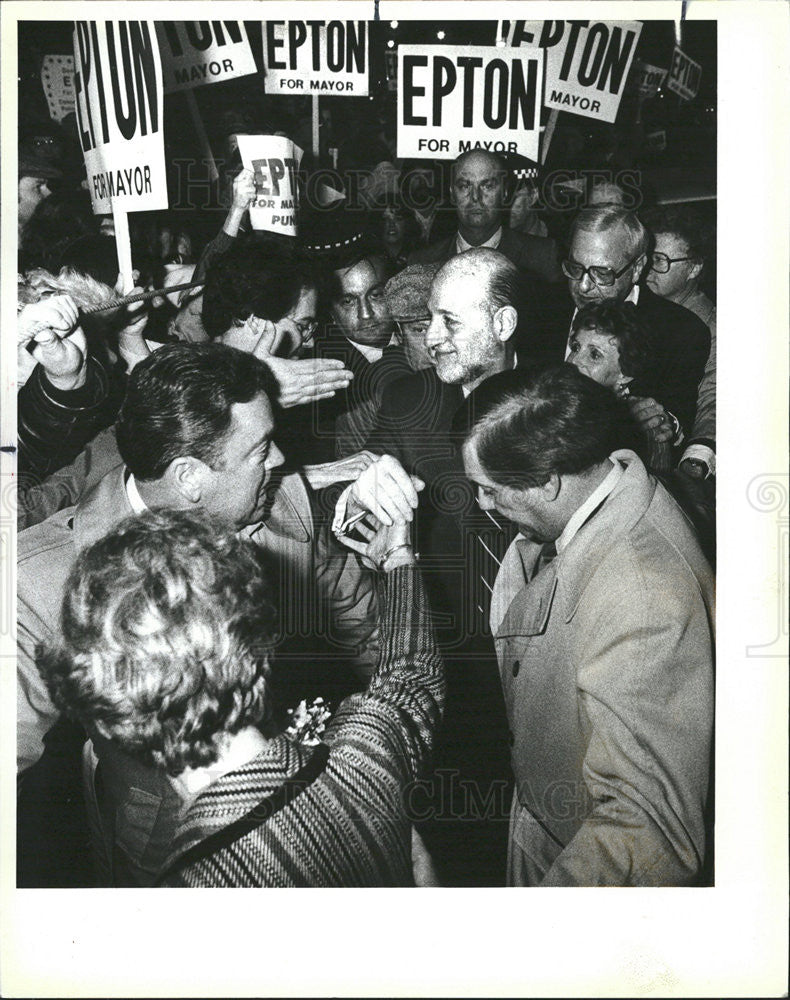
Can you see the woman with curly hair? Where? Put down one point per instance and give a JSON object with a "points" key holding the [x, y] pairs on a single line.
{"points": [[164, 653], [611, 345]]}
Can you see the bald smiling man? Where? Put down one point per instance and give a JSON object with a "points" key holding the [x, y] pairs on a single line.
{"points": [[474, 304], [480, 193]]}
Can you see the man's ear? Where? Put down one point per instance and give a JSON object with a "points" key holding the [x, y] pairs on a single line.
{"points": [[639, 268], [696, 270], [187, 476], [505, 323], [551, 488]]}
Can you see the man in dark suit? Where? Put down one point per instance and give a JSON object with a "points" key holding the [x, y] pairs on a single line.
{"points": [[362, 335], [470, 337], [607, 257], [479, 193]]}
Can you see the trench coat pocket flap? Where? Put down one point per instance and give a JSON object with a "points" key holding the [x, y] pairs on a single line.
{"points": [[530, 617], [535, 842]]}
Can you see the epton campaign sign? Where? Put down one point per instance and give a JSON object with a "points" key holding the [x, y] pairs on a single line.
{"points": [[648, 78], [275, 162], [587, 62], [57, 78], [118, 84], [684, 75], [316, 57], [454, 98], [198, 52]]}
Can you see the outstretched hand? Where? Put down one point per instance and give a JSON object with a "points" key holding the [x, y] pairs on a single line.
{"points": [[387, 490]]}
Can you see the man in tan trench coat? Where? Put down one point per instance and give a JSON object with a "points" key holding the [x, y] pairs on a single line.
{"points": [[602, 614]]}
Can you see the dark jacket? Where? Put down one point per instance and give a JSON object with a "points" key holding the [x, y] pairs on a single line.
{"points": [[537, 255], [683, 342], [349, 418], [54, 425]]}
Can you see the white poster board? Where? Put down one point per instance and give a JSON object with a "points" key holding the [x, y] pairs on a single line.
{"points": [[452, 98], [274, 160], [684, 75], [57, 79], [118, 84], [199, 52], [316, 57], [587, 62]]}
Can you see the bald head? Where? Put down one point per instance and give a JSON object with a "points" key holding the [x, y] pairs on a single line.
{"points": [[489, 272], [472, 316], [478, 193], [478, 157]]}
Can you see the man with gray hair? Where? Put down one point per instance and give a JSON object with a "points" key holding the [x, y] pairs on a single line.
{"points": [[607, 258]]}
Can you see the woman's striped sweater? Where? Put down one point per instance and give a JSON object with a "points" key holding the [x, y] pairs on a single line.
{"points": [[352, 825]]}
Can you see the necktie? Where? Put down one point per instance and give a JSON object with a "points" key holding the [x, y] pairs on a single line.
{"points": [[491, 539], [547, 554]]}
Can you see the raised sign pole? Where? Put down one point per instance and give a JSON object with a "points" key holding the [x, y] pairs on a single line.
{"points": [[316, 132], [200, 130]]}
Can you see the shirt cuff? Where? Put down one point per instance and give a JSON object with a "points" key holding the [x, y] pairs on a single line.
{"points": [[702, 453]]}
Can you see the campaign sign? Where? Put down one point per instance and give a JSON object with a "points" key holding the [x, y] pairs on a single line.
{"points": [[648, 78], [684, 75], [587, 62], [452, 98], [57, 79], [316, 57], [118, 85], [198, 52], [275, 162]]}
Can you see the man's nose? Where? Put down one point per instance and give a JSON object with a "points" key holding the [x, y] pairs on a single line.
{"points": [[475, 193], [433, 333], [585, 282], [275, 457], [364, 310]]}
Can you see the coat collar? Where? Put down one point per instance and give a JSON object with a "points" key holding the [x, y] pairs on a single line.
{"points": [[107, 504], [568, 576], [236, 792]]}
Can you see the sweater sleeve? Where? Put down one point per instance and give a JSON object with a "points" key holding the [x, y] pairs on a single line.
{"points": [[403, 704]]}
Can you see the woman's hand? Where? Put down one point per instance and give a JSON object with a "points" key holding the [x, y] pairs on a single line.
{"points": [[653, 420], [385, 547]]}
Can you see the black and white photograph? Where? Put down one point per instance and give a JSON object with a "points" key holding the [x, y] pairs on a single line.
{"points": [[371, 516]]}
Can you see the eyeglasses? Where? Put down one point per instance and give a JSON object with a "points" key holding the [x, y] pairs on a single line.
{"points": [[604, 276], [661, 263]]}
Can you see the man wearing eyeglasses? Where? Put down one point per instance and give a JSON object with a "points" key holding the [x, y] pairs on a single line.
{"points": [[607, 257], [677, 265]]}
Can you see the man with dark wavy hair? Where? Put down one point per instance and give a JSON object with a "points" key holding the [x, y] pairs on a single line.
{"points": [[602, 616], [166, 632], [196, 432]]}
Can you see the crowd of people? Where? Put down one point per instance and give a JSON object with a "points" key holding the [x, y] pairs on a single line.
{"points": [[381, 554]]}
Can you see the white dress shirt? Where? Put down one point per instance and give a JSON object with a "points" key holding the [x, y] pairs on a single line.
{"points": [[133, 495], [461, 246]]}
